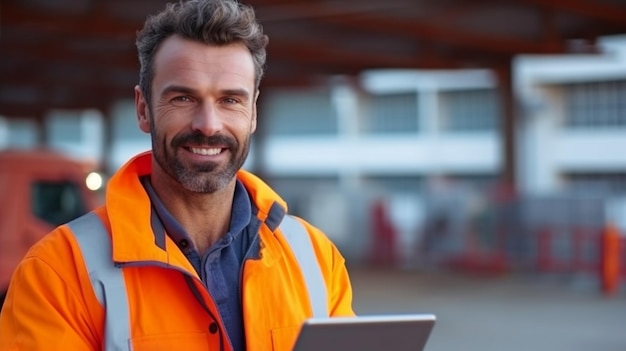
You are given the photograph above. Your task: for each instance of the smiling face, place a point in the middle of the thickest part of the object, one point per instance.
(202, 113)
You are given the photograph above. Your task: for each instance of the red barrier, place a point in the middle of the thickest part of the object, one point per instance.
(581, 258)
(585, 255)
(479, 258)
(383, 248)
(598, 252)
(544, 250)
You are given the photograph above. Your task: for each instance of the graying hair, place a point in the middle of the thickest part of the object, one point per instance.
(214, 22)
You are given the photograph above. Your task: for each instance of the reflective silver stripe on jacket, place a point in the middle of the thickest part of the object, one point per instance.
(108, 282)
(106, 279)
(302, 248)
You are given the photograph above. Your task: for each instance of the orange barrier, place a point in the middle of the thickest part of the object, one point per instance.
(610, 260)
(622, 266)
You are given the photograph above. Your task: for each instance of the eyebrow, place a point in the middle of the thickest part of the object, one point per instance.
(186, 90)
(236, 92)
(177, 89)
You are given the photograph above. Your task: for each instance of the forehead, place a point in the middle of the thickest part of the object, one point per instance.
(198, 65)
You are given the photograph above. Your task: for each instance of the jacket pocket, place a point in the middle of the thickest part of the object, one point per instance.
(175, 341)
(284, 339)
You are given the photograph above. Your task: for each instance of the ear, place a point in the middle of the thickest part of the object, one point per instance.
(143, 112)
(254, 112)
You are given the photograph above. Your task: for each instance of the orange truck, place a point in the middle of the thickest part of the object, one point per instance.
(40, 189)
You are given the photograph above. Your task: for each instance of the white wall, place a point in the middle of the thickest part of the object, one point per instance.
(547, 149)
(398, 154)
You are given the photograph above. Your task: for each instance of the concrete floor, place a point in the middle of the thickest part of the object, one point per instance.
(503, 313)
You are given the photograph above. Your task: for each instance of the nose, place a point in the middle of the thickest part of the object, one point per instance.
(207, 120)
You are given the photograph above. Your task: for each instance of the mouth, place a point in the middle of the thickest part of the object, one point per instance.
(205, 151)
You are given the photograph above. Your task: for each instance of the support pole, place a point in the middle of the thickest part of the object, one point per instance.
(42, 139)
(107, 142)
(508, 126)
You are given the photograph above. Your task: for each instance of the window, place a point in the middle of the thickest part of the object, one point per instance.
(601, 183)
(300, 113)
(595, 104)
(297, 190)
(393, 113)
(394, 183)
(470, 110)
(57, 202)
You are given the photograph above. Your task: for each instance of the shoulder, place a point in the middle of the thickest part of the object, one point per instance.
(323, 246)
(55, 265)
(57, 251)
(51, 280)
(54, 246)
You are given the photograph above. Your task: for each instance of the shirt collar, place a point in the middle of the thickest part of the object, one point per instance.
(241, 214)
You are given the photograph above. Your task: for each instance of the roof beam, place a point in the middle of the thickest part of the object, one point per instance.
(94, 24)
(302, 10)
(75, 98)
(18, 110)
(62, 54)
(433, 33)
(322, 53)
(586, 8)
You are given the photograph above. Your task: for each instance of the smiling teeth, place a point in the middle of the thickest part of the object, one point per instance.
(205, 152)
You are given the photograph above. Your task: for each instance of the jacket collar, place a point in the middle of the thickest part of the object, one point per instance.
(130, 215)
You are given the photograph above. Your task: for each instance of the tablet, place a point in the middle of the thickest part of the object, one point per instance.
(397, 332)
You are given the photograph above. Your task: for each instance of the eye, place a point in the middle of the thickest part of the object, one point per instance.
(181, 101)
(182, 98)
(230, 100)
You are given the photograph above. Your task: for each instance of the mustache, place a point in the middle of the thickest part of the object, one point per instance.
(201, 139)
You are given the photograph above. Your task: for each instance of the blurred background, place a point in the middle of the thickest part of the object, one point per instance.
(467, 157)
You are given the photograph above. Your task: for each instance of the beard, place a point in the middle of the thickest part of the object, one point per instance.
(207, 177)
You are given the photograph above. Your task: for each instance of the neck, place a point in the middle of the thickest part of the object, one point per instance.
(205, 217)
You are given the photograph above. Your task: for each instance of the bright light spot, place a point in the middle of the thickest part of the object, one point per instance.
(93, 181)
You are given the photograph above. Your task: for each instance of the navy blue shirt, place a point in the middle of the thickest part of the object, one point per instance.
(220, 268)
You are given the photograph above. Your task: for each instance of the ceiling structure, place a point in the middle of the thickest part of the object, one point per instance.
(79, 54)
(76, 54)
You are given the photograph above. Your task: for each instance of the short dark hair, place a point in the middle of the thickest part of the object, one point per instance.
(216, 22)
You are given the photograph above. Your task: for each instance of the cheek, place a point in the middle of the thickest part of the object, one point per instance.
(244, 128)
(167, 120)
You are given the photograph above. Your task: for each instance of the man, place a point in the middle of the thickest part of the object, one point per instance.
(189, 252)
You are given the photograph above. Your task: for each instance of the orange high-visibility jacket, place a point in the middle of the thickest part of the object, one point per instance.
(52, 305)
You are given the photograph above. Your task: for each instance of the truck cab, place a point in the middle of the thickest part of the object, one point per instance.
(40, 189)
